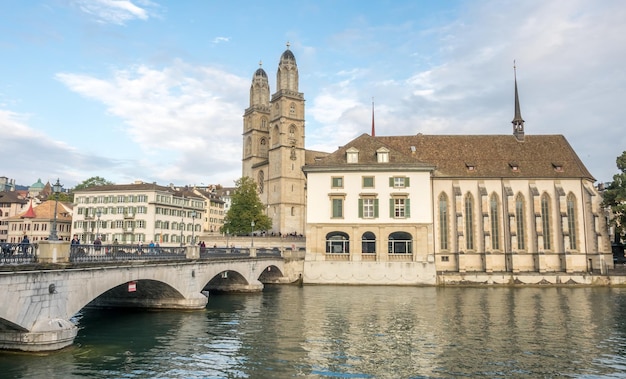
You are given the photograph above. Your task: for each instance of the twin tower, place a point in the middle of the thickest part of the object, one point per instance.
(273, 146)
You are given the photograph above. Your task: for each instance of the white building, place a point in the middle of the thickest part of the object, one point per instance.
(399, 209)
(139, 212)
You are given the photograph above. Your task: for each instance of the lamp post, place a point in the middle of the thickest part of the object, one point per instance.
(56, 188)
(193, 227)
(98, 213)
(227, 233)
(252, 234)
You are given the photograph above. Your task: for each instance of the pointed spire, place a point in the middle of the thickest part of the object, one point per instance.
(373, 129)
(518, 121)
(30, 213)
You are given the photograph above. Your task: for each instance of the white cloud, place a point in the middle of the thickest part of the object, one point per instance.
(175, 117)
(115, 11)
(217, 40)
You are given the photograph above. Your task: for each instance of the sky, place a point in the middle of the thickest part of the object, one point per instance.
(155, 90)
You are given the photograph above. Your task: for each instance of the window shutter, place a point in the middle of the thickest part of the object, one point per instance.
(391, 213)
(360, 208)
(391, 181)
(406, 181)
(407, 207)
(375, 208)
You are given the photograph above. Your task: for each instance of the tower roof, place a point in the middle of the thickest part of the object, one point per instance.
(288, 55)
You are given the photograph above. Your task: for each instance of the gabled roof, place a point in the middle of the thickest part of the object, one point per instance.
(9, 197)
(471, 156)
(45, 211)
(368, 148)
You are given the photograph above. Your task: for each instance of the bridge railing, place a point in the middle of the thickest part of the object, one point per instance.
(224, 252)
(17, 253)
(106, 253)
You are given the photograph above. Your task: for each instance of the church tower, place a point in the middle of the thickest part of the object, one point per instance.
(256, 126)
(273, 150)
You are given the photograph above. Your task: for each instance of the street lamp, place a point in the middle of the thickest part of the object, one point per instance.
(193, 227)
(252, 234)
(227, 233)
(98, 213)
(56, 188)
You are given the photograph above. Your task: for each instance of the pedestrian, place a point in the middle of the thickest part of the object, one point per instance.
(97, 244)
(75, 240)
(25, 244)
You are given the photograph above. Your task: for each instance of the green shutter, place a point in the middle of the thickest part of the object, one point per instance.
(360, 208)
(406, 182)
(391, 208)
(375, 208)
(407, 207)
(391, 181)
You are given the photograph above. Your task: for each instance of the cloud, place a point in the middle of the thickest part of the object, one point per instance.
(217, 40)
(569, 73)
(184, 121)
(36, 152)
(115, 11)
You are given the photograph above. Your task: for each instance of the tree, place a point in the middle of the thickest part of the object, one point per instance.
(245, 208)
(614, 197)
(92, 182)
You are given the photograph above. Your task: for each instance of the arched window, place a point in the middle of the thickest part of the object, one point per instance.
(443, 221)
(293, 211)
(400, 243)
(261, 183)
(263, 123)
(469, 221)
(292, 131)
(292, 109)
(495, 219)
(368, 243)
(337, 243)
(263, 149)
(519, 218)
(545, 221)
(571, 220)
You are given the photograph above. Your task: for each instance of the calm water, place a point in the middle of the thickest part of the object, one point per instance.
(353, 332)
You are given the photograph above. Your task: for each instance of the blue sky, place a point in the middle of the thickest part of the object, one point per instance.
(155, 90)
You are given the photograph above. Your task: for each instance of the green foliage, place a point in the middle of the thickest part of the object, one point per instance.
(615, 197)
(245, 208)
(91, 182)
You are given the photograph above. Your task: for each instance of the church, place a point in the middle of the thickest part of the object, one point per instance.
(408, 209)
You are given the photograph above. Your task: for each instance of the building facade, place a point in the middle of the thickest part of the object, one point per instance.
(37, 222)
(400, 209)
(138, 213)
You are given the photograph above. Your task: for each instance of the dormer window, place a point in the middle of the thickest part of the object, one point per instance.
(557, 167)
(514, 166)
(352, 155)
(382, 155)
(470, 166)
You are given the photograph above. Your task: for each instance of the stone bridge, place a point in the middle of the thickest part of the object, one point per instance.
(38, 305)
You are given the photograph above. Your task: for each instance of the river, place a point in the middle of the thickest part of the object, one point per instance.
(352, 332)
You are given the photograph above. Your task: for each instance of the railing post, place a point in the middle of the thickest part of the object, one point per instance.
(252, 252)
(192, 251)
(53, 252)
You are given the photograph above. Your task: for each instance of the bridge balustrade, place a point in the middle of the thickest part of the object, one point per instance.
(224, 252)
(17, 253)
(105, 253)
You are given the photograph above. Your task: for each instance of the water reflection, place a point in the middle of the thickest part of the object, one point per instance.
(353, 332)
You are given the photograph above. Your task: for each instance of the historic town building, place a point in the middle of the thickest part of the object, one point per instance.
(138, 213)
(400, 209)
(37, 222)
